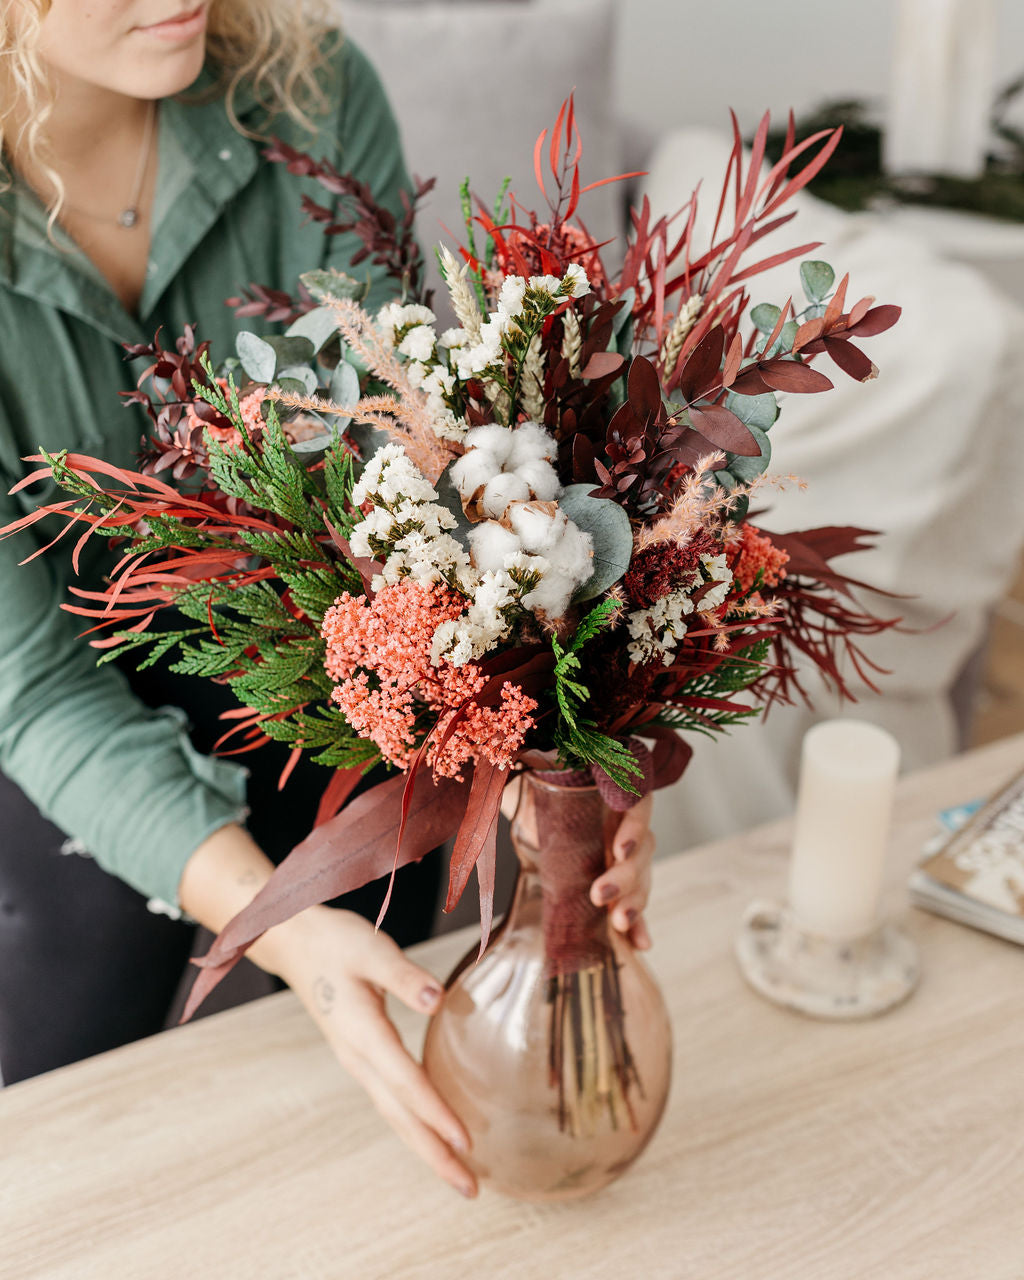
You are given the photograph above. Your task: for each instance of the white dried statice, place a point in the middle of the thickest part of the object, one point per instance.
(656, 631)
(406, 527)
(394, 320)
(504, 465)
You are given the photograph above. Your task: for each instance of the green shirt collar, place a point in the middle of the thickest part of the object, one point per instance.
(204, 162)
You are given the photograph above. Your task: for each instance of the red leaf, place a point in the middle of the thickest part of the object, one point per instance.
(850, 359)
(337, 791)
(601, 364)
(789, 375)
(345, 853)
(724, 430)
(701, 371)
(809, 331)
(836, 303)
(644, 388)
(478, 829)
(877, 320)
(671, 753)
(733, 360)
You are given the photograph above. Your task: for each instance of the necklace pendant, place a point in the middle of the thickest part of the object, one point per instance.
(128, 217)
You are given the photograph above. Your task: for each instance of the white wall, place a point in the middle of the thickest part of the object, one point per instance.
(688, 61)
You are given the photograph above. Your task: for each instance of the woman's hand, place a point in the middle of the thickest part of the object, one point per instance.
(625, 887)
(341, 970)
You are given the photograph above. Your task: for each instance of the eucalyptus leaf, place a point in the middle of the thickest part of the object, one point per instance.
(765, 317)
(302, 374)
(367, 439)
(449, 498)
(344, 386)
(313, 448)
(609, 527)
(817, 279)
(756, 411)
(318, 326)
(784, 342)
(291, 351)
(258, 358)
(747, 469)
(328, 282)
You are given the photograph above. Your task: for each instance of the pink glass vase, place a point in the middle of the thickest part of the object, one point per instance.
(555, 1048)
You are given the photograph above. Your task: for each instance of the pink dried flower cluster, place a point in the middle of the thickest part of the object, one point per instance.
(229, 437)
(758, 554)
(387, 686)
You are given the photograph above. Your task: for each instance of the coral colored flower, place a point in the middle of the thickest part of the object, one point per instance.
(758, 554)
(228, 436)
(391, 692)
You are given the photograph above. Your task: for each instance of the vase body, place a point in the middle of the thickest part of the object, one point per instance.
(554, 1049)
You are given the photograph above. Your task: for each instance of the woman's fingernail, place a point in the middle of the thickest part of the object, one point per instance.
(458, 1143)
(607, 893)
(466, 1189)
(628, 848)
(631, 916)
(429, 996)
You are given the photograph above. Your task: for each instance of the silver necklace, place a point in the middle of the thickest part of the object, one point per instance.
(130, 214)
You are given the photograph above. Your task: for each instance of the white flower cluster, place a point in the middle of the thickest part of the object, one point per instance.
(520, 299)
(657, 630)
(503, 465)
(406, 526)
(409, 328)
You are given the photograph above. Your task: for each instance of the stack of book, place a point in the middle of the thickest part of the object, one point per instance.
(976, 874)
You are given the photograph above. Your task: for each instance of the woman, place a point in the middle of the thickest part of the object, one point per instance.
(129, 207)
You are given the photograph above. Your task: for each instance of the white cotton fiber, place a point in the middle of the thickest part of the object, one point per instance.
(472, 471)
(534, 526)
(541, 478)
(493, 439)
(506, 488)
(531, 441)
(491, 543)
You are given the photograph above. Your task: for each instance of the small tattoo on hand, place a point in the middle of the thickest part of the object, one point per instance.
(323, 995)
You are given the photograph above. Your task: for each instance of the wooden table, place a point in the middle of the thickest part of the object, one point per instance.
(884, 1150)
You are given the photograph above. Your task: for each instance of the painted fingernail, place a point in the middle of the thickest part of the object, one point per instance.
(429, 997)
(458, 1143)
(631, 916)
(608, 892)
(466, 1189)
(628, 848)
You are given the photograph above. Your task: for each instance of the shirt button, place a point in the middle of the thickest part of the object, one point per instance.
(224, 155)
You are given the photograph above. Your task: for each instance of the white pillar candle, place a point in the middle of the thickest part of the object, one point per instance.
(844, 808)
(941, 87)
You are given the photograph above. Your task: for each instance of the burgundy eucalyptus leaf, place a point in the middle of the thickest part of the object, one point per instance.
(724, 430)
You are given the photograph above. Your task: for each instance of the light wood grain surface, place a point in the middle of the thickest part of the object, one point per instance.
(791, 1150)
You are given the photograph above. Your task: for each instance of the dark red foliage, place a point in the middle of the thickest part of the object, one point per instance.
(387, 241)
(663, 567)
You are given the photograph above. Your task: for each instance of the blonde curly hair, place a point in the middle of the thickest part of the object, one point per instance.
(274, 47)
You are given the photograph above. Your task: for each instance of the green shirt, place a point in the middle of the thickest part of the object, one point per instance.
(124, 780)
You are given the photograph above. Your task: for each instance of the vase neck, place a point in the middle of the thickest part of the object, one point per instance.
(560, 834)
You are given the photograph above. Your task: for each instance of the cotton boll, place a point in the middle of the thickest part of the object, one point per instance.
(491, 543)
(551, 595)
(493, 439)
(533, 525)
(530, 441)
(472, 471)
(542, 479)
(574, 553)
(504, 489)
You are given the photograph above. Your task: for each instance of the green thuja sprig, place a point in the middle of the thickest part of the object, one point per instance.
(578, 741)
